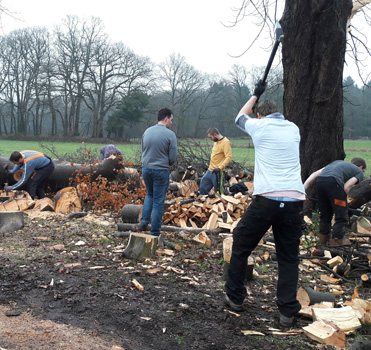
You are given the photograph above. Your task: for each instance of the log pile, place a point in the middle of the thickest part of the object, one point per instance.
(208, 213)
(66, 201)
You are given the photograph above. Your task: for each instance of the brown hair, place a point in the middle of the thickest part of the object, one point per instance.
(212, 131)
(266, 107)
(359, 162)
(163, 113)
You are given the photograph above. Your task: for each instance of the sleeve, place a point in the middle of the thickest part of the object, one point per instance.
(227, 154)
(27, 172)
(173, 150)
(18, 166)
(240, 122)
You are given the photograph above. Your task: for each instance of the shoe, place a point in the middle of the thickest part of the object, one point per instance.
(232, 305)
(142, 227)
(339, 242)
(323, 239)
(286, 321)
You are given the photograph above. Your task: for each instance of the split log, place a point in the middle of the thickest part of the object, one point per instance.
(202, 238)
(131, 213)
(11, 221)
(360, 194)
(345, 318)
(133, 227)
(67, 201)
(307, 296)
(45, 204)
(141, 245)
(326, 333)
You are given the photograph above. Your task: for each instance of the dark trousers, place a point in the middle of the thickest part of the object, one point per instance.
(286, 220)
(36, 184)
(332, 199)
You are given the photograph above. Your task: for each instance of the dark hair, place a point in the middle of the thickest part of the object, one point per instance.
(359, 162)
(266, 107)
(212, 131)
(15, 156)
(163, 113)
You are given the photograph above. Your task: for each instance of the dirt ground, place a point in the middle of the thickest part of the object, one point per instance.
(64, 285)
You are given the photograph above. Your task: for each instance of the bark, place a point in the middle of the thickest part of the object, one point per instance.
(131, 213)
(360, 194)
(11, 221)
(313, 52)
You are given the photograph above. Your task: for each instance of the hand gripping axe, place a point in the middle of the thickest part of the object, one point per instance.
(279, 38)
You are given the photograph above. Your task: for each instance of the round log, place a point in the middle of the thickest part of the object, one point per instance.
(11, 221)
(307, 296)
(360, 194)
(131, 213)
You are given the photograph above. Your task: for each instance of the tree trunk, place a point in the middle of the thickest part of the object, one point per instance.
(313, 52)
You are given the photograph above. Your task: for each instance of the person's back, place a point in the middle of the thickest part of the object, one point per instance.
(341, 171)
(158, 147)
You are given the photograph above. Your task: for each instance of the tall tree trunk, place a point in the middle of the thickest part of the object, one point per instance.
(313, 54)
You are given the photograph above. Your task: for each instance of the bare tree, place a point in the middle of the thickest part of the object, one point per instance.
(113, 73)
(74, 44)
(180, 83)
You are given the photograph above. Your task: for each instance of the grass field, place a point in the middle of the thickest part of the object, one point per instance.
(131, 152)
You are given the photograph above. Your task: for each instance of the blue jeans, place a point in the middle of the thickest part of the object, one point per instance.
(157, 183)
(208, 182)
(286, 220)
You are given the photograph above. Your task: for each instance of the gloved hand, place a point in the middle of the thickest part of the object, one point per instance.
(7, 188)
(259, 89)
(216, 171)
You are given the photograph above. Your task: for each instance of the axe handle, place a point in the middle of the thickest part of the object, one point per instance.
(267, 69)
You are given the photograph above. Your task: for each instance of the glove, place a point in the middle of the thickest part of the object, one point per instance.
(216, 171)
(259, 89)
(7, 188)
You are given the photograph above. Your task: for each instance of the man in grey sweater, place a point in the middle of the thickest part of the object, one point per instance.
(159, 151)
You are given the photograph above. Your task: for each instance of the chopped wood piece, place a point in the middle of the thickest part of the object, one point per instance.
(327, 279)
(68, 202)
(335, 261)
(137, 284)
(202, 238)
(227, 249)
(326, 333)
(45, 204)
(345, 318)
(212, 222)
(230, 199)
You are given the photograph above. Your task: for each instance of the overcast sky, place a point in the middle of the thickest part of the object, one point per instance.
(196, 29)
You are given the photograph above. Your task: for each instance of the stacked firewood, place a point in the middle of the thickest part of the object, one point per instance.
(208, 213)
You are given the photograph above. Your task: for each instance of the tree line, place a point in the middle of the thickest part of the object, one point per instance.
(74, 81)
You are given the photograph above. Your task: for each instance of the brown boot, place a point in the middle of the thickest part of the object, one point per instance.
(323, 239)
(339, 242)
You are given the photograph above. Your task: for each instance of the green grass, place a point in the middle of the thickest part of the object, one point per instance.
(353, 148)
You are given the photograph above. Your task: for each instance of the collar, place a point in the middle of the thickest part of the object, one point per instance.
(275, 116)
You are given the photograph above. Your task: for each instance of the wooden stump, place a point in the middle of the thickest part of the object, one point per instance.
(11, 221)
(131, 213)
(140, 246)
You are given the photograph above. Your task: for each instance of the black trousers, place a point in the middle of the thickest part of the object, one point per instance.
(286, 219)
(332, 199)
(36, 184)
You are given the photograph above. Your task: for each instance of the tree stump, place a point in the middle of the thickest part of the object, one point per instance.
(11, 221)
(140, 246)
(131, 213)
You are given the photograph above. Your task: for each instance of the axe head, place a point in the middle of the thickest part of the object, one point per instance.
(279, 32)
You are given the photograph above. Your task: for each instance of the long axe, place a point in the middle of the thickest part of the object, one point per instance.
(279, 38)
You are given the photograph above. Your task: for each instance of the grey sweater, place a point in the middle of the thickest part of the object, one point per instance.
(159, 147)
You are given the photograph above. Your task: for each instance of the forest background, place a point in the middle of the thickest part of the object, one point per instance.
(74, 82)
